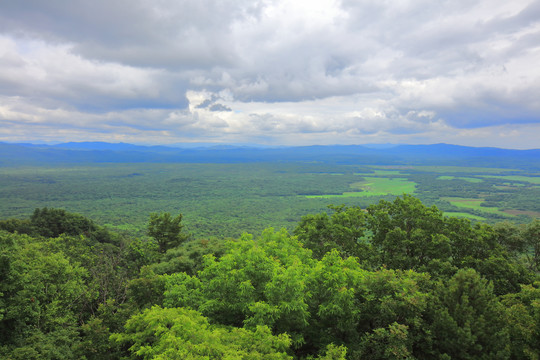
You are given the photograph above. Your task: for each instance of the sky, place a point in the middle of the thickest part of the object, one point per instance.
(271, 72)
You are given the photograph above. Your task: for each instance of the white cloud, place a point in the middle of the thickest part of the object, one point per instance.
(321, 71)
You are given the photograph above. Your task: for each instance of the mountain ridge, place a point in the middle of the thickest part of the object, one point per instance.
(103, 152)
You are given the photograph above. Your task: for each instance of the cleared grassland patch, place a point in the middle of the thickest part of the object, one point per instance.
(475, 204)
(468, 179)
(465, 215)
(382, 185)
(533, 214)
(375, 186)
(530, 179)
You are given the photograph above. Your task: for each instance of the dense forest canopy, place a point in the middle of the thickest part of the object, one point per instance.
(395, 280)
(224, 200)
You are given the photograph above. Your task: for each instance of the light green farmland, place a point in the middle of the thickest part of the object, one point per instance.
(465, 215)
(529, 179)
(475, 204)
(375, 186)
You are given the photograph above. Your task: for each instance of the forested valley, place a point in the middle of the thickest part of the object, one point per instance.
(394, 280)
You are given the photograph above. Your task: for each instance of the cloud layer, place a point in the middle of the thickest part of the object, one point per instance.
(271, 71)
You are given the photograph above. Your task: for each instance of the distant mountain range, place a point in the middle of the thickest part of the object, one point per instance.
(102, 152)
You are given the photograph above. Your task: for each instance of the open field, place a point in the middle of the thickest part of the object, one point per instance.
(475, 204)
(385, 186)
(465, 215)
(374, 186)
(510, 178)
(533, 214)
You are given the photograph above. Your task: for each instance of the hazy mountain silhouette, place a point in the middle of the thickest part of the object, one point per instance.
(102, 152)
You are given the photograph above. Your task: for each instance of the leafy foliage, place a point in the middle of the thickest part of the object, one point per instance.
(398, 280)
(343, 230)
(41, 296)
(176, 333)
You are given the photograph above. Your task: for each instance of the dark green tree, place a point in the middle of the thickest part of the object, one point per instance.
(391, 343)
(166, 230)
(511, 238)
(468, 320)
(50, 223)
(408, 234)
(189, 256)
(532, 239)
(523, 316)
(343, 230)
